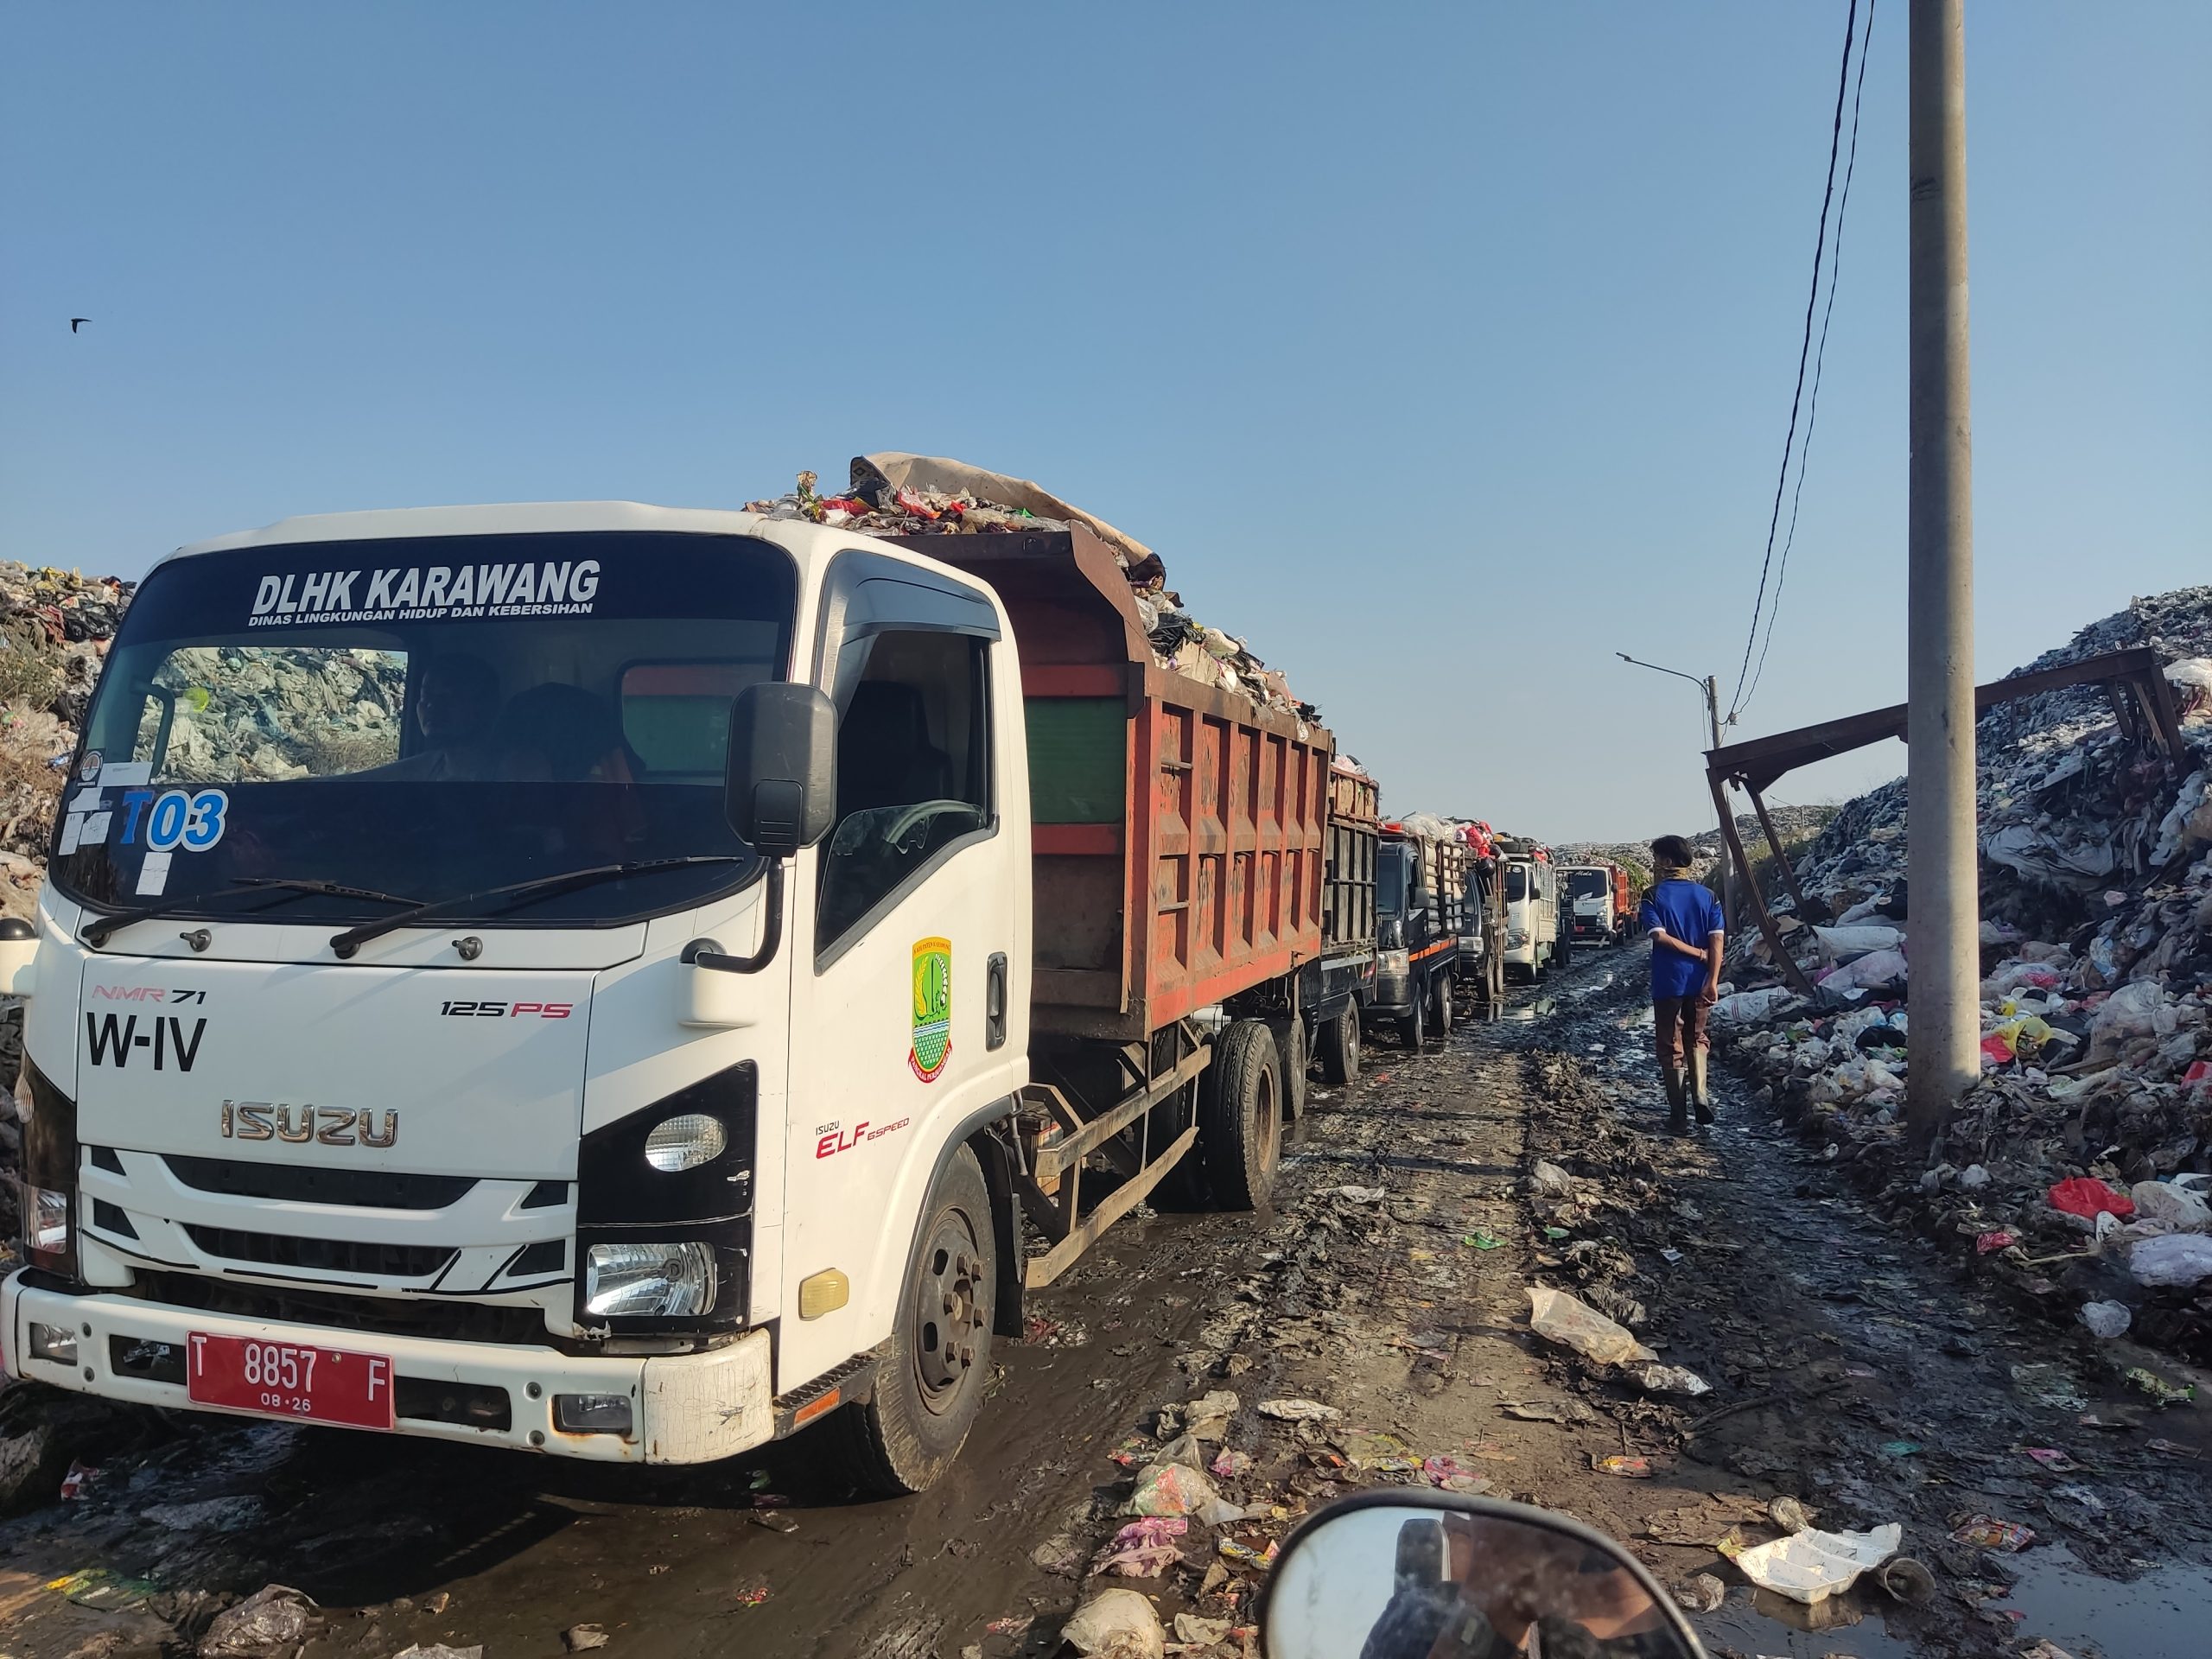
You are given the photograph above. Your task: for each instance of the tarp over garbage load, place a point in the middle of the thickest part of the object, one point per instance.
(2096, 997)
(891, 493)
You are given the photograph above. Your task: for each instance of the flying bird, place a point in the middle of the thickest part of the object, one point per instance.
(74, 322)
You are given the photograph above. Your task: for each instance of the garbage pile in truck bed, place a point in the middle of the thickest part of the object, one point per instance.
(2081, 1165)
(897, 494)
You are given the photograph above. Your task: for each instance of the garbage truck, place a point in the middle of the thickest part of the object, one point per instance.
(1596, 897)
(631, 984)
(1420, 876)
(1336, 986)
(1533, 945)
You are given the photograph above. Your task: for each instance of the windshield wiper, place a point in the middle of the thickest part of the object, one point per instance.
(343, 945)
(98, 932)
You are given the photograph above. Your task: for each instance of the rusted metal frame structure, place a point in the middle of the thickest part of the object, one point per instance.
(2134, 681)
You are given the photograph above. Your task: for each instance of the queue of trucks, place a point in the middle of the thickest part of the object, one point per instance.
(755, 956)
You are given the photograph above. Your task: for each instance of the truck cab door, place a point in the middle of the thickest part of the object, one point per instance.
(900, 1035)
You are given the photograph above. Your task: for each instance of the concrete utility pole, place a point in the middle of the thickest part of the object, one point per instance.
(1943, 1039)
(1711, 687)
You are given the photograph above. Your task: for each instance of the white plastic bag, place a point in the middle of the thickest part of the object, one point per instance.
(1557, 1317)
(2130, 1011)
(2178, 1259)
(1812, 1566)
(1749, 1006)
(2163, 1201)
(1116, 1625)
(1838, 943)
(2107, 1319)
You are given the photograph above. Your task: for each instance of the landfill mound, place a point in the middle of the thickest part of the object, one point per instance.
(892, 494)
(1795, 824)
(2079, 1168)
(54, 629)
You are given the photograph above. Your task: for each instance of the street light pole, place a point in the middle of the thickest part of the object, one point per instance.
(1943, 1061)
(1710, 688)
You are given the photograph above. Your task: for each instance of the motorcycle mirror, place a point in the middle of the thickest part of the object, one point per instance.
(1403, 1575)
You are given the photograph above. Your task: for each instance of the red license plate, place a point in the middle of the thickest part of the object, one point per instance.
(285, 1379)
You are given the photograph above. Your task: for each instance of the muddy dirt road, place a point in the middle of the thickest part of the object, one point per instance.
(1848, 1370)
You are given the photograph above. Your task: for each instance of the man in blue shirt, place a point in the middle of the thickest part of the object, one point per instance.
(1683, 921)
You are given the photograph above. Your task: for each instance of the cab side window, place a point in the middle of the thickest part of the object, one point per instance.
(913, 768)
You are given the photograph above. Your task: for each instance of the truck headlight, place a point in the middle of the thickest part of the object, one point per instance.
(685, 1142)
(651, 1281)
(1397, 962)
(49, 1179)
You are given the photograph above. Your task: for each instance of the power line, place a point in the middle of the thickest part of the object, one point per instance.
(1804, 351)
(1820, 358)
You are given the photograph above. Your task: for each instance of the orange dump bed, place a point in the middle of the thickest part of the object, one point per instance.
(1178, 827)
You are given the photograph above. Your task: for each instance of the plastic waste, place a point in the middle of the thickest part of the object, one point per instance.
(1298, 1411)
(1987, 1532)
(1628, 1468)
(2130, 1011)
(2166, 1392)
(1176, 1489)
(1811, 1565)
(2163, 1201)
(2107, 1319)
(2174, 1258)
(440, 1651)
(274, 1618)
(1668, 1379)
(1116, 1625)
(104, 1590)
(1907, 1580)
(1550, 1178)
(1702, 1594)
(1754, 1006)
(1145, 1549)
(1195, 1632)
(1207, 1417)
(1838, 943)
(2088, 1196)
(1557, 1317)
(582, 1638)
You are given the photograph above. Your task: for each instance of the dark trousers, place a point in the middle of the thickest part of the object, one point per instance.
(1680, 1021)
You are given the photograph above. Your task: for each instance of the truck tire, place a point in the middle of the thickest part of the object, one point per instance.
(1240, 1116)
(1563, 952)
(1413, 1030)
(1341, 1047)
(931, 1376)
(1290, 1056)
(1441, 1015)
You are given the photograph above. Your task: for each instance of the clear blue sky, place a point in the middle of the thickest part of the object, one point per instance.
(1440, 350)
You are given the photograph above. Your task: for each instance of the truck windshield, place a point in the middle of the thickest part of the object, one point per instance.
(421, 719)
(1390, 884)
(1587, 884)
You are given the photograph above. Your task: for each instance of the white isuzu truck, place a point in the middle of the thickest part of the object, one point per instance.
(630, 982)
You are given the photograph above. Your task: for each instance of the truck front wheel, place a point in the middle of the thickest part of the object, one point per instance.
(1341, 1047)
(1240, 1116)
(1413, 1030)
(932, 1376)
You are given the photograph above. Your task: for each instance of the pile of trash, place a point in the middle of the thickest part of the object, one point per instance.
(54, 629)
(2096, 1001)
(892, 494)
(1795, 824)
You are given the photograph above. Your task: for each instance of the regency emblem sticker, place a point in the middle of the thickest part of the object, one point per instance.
(932, 1008)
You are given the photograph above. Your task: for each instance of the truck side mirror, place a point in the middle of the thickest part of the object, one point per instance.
(780, 790)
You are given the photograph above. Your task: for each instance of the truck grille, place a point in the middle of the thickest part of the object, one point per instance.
(324, 1255)
(368, 1189)
(433, 1317)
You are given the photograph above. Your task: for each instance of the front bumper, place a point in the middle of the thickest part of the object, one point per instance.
(685, 1408)
(1394, 996)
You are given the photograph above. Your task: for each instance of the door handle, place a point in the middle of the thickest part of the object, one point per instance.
(994, 1002)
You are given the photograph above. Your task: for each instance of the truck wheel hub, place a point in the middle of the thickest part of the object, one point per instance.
(949, 1313)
